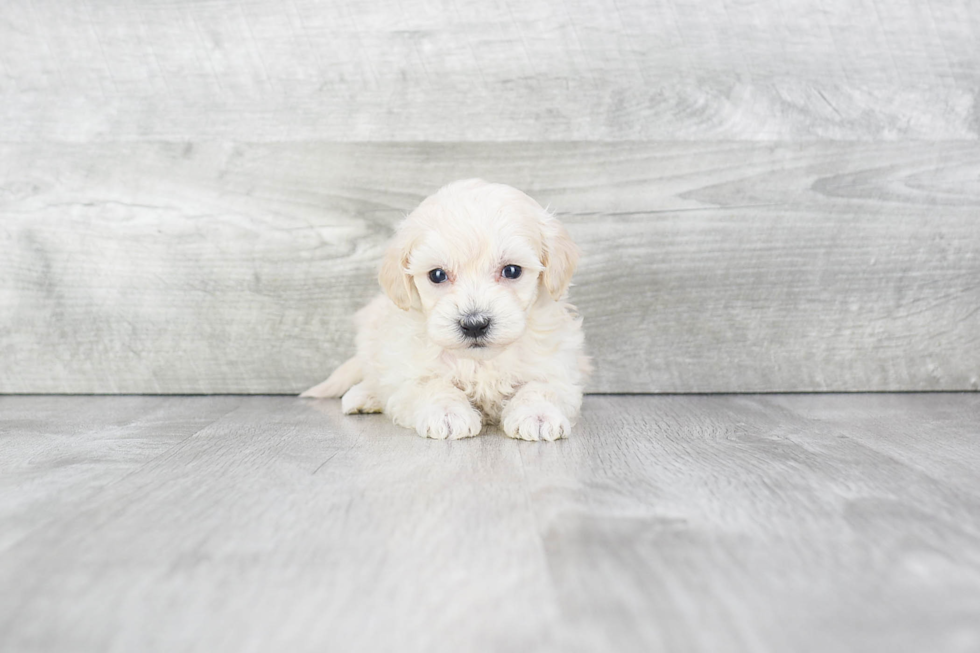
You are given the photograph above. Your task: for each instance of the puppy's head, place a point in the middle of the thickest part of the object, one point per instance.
(473, 259)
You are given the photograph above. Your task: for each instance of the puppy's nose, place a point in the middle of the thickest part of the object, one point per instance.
(474, 325)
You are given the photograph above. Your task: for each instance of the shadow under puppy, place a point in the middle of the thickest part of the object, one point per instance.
(473, 325)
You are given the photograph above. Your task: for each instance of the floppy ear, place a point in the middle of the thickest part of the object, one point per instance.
(394, 280)
(560, 257)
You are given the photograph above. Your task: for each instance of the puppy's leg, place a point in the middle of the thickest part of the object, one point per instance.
(541, 411)
(360, 399)
(339, 382)
(435, 409)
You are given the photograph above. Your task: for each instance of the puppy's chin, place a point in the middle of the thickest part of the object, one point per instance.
(480, 352)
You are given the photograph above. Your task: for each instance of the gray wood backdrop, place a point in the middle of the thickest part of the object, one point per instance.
(771, 196)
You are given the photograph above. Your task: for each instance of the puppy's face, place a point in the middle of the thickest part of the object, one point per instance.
(473, 259)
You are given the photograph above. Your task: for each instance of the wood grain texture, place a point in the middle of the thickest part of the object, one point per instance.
(666, 523)
(164, 268)
(508, 70)
(59, 452)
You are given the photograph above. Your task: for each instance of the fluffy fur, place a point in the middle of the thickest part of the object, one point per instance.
(414, 361)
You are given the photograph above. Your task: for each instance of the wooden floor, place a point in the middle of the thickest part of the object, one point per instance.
(666, 523)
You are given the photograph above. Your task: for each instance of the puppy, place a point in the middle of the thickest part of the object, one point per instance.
(473, 326)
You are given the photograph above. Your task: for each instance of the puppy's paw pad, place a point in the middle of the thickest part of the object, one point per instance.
(537, 422)
(449, 422)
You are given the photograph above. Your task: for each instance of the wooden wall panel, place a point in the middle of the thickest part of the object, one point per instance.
(777, 195)
(708, 267)
(504, 70)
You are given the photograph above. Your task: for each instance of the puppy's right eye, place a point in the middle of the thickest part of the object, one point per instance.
(438, 275)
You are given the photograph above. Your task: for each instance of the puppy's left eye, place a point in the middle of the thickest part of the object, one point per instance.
(511, 271)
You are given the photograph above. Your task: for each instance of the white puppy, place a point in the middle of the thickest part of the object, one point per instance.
(473, 325)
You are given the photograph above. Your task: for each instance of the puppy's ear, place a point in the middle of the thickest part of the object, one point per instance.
(560, 257)
(394, 279)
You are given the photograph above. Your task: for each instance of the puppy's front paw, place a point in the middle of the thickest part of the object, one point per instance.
(538, 421)
(359, 400)
(452, 421)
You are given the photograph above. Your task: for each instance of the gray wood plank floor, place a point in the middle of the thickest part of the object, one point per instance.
(666, 523)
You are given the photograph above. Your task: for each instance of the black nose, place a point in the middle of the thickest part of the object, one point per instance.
(474, 325)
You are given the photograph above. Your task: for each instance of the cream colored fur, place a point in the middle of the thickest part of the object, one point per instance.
(413, 361)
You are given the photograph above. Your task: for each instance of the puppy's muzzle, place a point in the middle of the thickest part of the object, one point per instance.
(474, 325)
